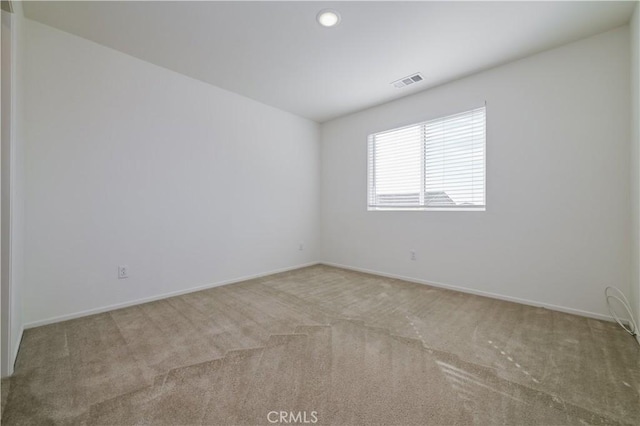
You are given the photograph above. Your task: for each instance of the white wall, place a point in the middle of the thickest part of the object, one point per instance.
(129, 163)
(635, 160)
(5, 109)
(19, 179)
(13, 234)
(556, 230)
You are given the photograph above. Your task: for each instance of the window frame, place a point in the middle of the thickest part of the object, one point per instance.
(422, 124)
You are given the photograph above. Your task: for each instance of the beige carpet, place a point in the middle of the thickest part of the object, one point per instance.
(327, 344)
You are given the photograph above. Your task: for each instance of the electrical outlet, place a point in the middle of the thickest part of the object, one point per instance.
(301, 246)
(413, 254)
(123, 272)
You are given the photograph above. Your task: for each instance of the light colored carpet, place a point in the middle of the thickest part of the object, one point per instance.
(328, 344)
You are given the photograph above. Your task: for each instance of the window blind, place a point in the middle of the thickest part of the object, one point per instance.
(434, 165)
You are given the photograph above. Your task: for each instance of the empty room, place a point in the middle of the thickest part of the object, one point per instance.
(333, 213)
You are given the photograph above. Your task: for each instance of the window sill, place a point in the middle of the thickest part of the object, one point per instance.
(427, 209)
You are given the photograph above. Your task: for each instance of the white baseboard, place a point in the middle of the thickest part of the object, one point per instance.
(477, 292)
(337, 265)
(14, 355)
(159, 297)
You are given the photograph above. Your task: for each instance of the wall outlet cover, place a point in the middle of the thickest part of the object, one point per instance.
(123, 271)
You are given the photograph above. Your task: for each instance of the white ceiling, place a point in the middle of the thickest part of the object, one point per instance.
(276, 53)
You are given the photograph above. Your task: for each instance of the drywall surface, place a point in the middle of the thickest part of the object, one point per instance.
(13, 179)
(18, 237)
(635, 160)
(557, 225)
(18, 231)
(131, 164)
(5, 177)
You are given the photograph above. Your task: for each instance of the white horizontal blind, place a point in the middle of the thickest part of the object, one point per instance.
(438, 164)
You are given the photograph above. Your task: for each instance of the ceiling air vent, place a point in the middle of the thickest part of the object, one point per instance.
(405, 81)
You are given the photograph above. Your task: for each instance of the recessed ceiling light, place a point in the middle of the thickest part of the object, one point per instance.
(328, 18)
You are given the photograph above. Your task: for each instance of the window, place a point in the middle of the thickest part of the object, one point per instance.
(434, 165)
